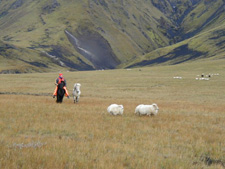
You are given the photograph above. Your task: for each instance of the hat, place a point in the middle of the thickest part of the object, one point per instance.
(60, 74)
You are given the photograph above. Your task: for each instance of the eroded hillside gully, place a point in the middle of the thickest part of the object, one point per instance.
(94, 48)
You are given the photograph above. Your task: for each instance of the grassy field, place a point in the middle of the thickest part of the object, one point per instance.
(188, 132)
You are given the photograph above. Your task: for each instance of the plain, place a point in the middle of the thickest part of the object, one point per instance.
(188, 132)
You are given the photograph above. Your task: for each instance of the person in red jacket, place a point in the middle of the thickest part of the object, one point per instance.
(58, 81)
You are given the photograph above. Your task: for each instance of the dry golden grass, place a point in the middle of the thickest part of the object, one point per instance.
(188, 132)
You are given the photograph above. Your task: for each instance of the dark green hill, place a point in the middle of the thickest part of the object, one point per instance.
(50, 35)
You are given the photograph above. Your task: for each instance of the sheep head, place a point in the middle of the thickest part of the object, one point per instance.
(155, 107)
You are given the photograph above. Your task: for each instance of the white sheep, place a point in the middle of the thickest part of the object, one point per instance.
(115, 109)
(203, 78)
(76, 92)
(147, 109)
(177, 77)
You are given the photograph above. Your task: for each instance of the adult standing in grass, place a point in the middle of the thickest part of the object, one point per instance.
(58, 81)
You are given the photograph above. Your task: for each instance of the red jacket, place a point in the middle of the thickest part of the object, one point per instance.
(60, 79)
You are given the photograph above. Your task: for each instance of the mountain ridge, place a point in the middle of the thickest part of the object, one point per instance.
(117, 33)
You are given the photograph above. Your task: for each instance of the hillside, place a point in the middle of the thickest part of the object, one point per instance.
(207, 45)
(52, 35)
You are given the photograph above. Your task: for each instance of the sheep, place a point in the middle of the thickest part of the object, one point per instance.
(138, 108)
(147, 109)
(177, 77)
(203, 78)
(76, 92)
(209, 75)
(115, 109)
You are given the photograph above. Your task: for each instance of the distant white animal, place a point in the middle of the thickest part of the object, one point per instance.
(147, 109)
(177, 77)
(115, 109)
(202, 78)
(76, 92)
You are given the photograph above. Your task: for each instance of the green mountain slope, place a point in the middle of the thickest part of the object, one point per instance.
(49, 35)
(207, 45)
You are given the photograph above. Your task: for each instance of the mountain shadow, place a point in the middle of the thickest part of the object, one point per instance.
(182, 52)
